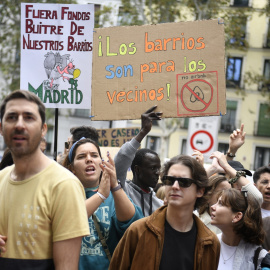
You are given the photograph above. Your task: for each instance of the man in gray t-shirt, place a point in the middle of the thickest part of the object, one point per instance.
(145, 165)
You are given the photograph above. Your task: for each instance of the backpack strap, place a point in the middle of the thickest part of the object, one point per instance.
(256, 256)
(101, 238)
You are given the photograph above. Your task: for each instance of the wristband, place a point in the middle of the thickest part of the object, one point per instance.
(238, 175)
(103, 198)
(117, 187)
(230, 154)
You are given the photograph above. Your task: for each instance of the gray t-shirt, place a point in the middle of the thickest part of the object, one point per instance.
(148, 202)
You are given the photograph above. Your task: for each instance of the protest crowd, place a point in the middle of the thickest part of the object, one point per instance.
(82, 213)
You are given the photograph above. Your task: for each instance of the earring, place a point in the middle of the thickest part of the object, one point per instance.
(232, 221)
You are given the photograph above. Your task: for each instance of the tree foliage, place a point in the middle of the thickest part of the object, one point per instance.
(138, 12)
(132, 12)
(102, 16)
(234, 18)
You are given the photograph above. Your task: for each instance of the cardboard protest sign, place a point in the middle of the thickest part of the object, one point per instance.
(178, 66)
(116, 137)
(56, 53)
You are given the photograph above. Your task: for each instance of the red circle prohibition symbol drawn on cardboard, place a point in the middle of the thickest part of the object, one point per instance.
(196, 96)
(210, 137)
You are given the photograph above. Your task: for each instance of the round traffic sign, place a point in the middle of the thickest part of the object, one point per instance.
(205, 133)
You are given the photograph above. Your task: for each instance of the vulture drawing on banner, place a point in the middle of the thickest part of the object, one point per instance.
(57, 66)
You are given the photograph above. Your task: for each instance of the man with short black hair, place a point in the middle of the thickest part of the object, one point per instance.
(42, 209)
(261, 178)
(145, 166)
(83, 131)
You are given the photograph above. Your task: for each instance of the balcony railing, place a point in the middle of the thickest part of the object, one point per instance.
(227, 127)
(261, 129)
(264, 87)
(266, 40)
(240, 3)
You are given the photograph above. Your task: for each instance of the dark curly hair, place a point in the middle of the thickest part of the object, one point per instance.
(84, 131)
(198, 173)
(139, 157)
(250, 226)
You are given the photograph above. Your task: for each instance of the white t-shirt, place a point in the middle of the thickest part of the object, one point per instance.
(265, 213)
(227, 254)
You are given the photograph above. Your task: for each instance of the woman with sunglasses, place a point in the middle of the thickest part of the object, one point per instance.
(109, 209)
(237, 214)
(172, 237)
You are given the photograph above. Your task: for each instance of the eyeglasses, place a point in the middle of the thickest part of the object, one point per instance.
(183, 182)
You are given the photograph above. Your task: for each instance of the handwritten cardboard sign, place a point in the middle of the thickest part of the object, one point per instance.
(178, 66)
(116, 137)
(56, 53)
(113, 151)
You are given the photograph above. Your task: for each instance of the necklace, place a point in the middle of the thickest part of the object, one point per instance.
(225, 260)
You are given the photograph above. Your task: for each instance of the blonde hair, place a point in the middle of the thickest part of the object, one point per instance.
(161, 193)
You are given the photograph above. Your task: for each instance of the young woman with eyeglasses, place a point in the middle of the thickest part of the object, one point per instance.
(237, 214)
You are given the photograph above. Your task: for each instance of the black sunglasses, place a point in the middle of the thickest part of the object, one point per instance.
(183, 182)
